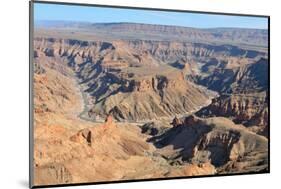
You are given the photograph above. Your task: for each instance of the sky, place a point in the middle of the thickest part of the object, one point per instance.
(104, 15)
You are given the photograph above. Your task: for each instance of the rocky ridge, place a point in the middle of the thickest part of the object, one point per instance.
(227, 146)
(118, 80)
(244, 95)
(138, 86)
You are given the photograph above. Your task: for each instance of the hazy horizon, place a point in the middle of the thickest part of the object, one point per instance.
(88, 22)
(57, 12)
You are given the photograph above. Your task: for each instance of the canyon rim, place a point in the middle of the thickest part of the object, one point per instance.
(125, 101)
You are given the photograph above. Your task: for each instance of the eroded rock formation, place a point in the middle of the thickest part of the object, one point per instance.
(150, 86)
(214, 140)
(244, 96)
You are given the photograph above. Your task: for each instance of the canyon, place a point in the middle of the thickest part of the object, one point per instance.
(124, 101)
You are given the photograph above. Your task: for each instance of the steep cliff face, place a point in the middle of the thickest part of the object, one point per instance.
(120, 81)
(138, 50)
(244, 95)
(247, 109)
(173, 51)
(137, 80)
(153, 97)
(244, 78)
(214, 140)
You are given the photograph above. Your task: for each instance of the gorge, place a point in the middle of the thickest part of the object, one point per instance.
(114, 97)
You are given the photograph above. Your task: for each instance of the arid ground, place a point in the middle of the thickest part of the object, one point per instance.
(124, 101)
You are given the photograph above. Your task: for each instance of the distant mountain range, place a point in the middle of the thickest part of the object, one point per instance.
(124, 30)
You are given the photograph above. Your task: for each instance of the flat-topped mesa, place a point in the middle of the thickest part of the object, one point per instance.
(177, 81)
(154, 96)
(135, 31)
(159, 82)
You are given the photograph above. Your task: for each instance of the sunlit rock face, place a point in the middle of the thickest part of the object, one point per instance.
(148, 101)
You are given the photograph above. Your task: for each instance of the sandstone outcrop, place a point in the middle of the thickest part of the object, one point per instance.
(122, 107)
(194, 170)
(52, 173)
(244, 96)
(214, 140)
(129, 87)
